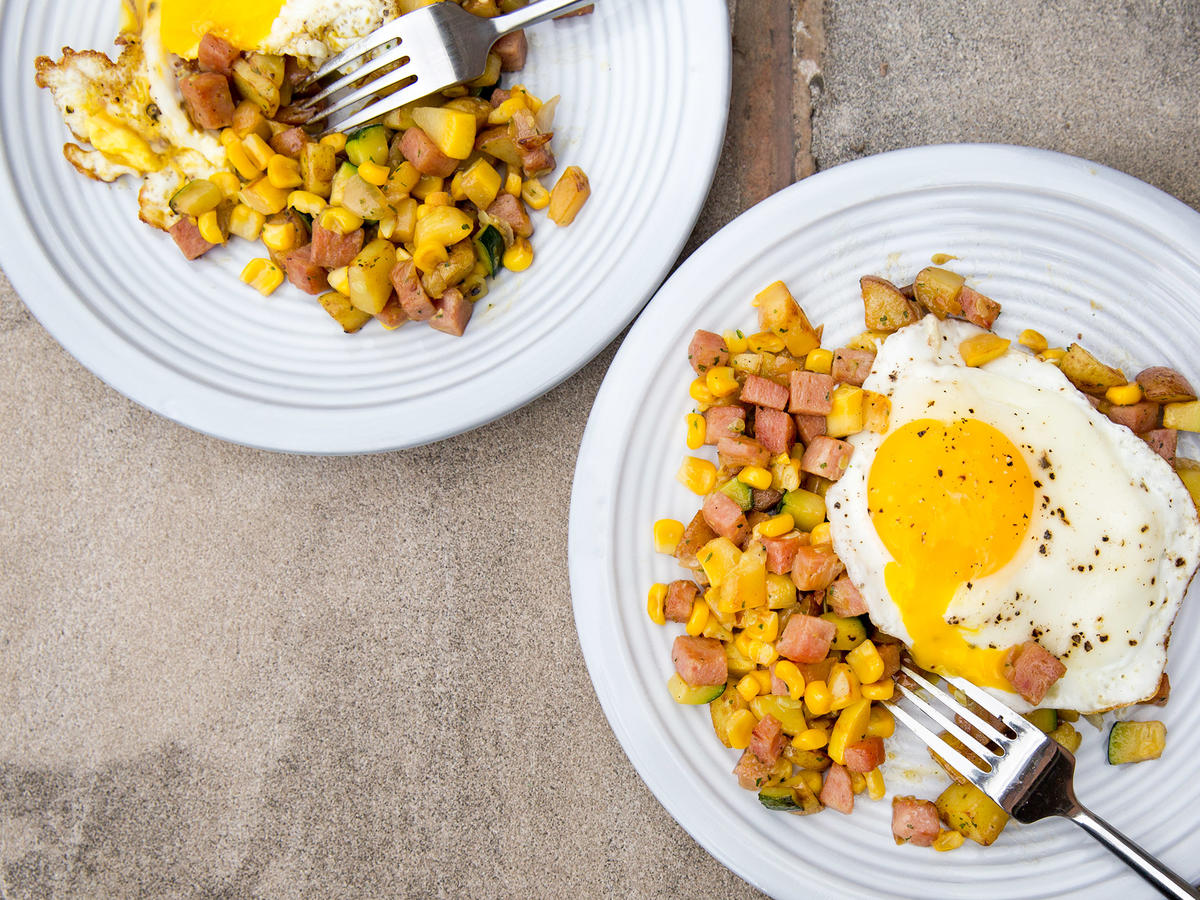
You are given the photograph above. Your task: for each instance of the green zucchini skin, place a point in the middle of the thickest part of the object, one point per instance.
(1131, 742)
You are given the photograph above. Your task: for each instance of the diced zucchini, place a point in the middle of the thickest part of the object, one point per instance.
(738, 492)
(806, 508)
(364, 199)
(722, 708)
(1045, 719)
(489, 247)
(799, 800)
(341, 178)
(812, 760)
(789, 712)
(693, 694)
(196, 198)
(850, 631)
(368, 143)
(937, 290)
(1131, 742)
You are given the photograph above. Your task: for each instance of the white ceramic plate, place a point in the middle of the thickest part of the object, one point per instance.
(1069, 247)
(645, 93)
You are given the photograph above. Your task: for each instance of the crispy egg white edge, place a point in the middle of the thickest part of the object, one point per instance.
(317, 29)
(1181, 541)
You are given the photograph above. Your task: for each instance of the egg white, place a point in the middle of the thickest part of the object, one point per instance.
(1102, 591)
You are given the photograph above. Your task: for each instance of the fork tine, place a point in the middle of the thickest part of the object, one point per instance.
(1017, 723)
(389, 31)
(988, 730)
(379, 108)
(964, 766)
(367, 91)
(397, 54)
(985, 753)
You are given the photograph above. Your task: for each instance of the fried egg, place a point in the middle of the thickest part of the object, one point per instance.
(1001, 507)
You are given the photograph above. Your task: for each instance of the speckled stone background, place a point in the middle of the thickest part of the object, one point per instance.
(228, 673)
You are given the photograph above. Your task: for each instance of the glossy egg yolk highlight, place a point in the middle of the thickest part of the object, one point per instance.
(244, 23)
(951, 502)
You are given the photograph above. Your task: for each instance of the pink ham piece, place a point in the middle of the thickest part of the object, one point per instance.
(725, 517)
(759, 391)
(695, 535)
(700, 660)
(851, 366)
(767, 739)
(778, 685)
(978, 309)
(207, 98)
(187, 238)
(781, 551)
(412, 294)
(305, 274)
(812, 393)
(290, 143)
(843, 598)
(723, 421)
(836, 792)
(815, 567)
(1140, 417)
(512, 50)
(1031, 669)
(1162, 441)
(774, 429)
(680, 597)
(751, 771)
(707, 350)
(864, 755)
(827, 457)
(453, 312)
(392, 316)
(915, 821)
(510, 209)
(762, 501)
(735, 452)
(215, 54)
(806, 639)
(333, 250)
(809, 427)
(420, 150)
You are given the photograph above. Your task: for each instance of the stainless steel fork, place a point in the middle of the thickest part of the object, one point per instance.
(1023, 770)
(412, 56)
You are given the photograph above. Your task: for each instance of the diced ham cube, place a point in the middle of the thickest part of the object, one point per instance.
(751, 771)
(864, 755)
(836, 792)
(781, 551)
(453, 312)
(723, 421)
(407, 282)
(700, 660)
(215, 54)
(815, 567)
(392, 316)
(305, 274)
(806, 639)
(207, 98)
(737, 451)
(1140, 417)
(334, 250)
(978, 309)
(420, 150)
(1162, 441)
(851, 366)
(890, 654)
(759, 391)
(774, 429)
(767, 739)
(680, 596)
(499, 95)
(725, 517)
(827, 457)
(707, 350)
(763, 501)
(532, 143)
(187, 237)
(843, 598)
(778, 685)
(809, 427)
(695, 535)
(812, 393)
(290, 142)
(510, 209)
(512, 50)
(915, 820)
(1030, 668)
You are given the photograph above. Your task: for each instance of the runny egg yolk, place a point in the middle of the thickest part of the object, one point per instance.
(951, 502)
(244, 23)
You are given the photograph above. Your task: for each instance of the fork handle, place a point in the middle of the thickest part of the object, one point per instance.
(1168, 883)
(537, 11)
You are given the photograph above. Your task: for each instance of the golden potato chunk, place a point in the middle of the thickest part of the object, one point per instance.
(1183, 416)
(1087, 373)
(971, 813)
(937, 290)
(1188, 471)
(1163, 385)
(344, 312)
(884, 307)
(780, 314)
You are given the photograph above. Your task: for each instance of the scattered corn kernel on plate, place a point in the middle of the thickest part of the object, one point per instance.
(194, 343)
(1075, 252)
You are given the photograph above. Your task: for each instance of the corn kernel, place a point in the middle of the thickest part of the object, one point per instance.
(948, 839)
(735, 342)
(262, 275)
(697, 475)
(245, 222)
(439, 198)
(819, 360)
(785, 473)
(764, 626)
(776, 526)
(284, 172)
(519, 256)
(866, 662)
(698, 391)
(697, 430)
(1034, 340)
(882, 723)
(279, 236)
(765, 341)
(429, 255)
(257, 149)
(756, 477)
(821, 534)
(698, 618)
(844, 688)
(534, 193)
(812, 780)
(817, 698)
(850, 727)
(983, 348)
(209, 227)
(742, 643)
(654, 604)
(667, 535)
(503, 113)
(306, 202)
(763, 653)
(858, 783)
(721, 381)
(879, 690)
(337, 141)
(227, 182)
(748, 687)
(340, 220)
(1124, 395)
(787, 672)
(339, 280)
(457, 191)
(373, 173)
(739, 728)
(263, 196)
(764, 680)
(240, 159)
(1052, 355)
(876, 789)
(811, 739)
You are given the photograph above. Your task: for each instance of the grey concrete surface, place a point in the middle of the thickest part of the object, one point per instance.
(226, 673)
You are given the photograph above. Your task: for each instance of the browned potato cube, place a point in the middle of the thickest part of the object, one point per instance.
(1087, 373)
(256, 86)
(722, 709)
(1188, 471)
(937, 290)
(318, 162)
(972, 813)
(570, 192)
(779, 313)
(885, 308)
(343, 312)
(1163, 385)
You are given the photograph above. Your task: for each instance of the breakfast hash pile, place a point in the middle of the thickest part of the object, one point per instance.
(933, 495)
(408, 219)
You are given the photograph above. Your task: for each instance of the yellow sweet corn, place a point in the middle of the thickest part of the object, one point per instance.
(698, 391)
(339, 280)
(983, 348)
(503, 113)
(787, 672)
(748, 687)
(882, 723)
(654, 604)
(534, 193)
(245, 222)
(866, 662)
(262, 275)
(227, 182)
(844, 687)
(519, 256)
(763, 653)
(811, 739)
(1124, 395)
(279, 236)
(735, 342)
(819, 360)
(284, 172)
(667, 535)
(765, 341)
(306, 202)
(756, 477)
(879, 690)
(850, 728)
(264, 197)
(698, 619)
(373, 173)
(210, 228)
(512, 181)
(764, 680)
(257, 149)
(697, 430)
(821, 534)
(337, 141)
(429, 255)
(697, 475)
(1052, 355)
(858, 782)
(241, 161)
(876, 789)
(1034, 340)
(776, 526)
(948, 839)
(817, 698)
(721, 381)
(739, 728)
(340, 220)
